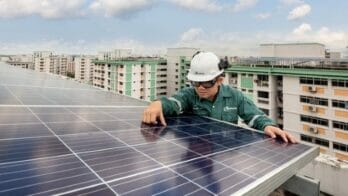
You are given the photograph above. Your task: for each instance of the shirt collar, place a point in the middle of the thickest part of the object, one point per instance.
(223, 91)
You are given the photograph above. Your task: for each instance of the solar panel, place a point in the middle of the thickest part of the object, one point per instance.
(61, 137)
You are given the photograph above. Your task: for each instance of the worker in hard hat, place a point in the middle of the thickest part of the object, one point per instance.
(208, 96)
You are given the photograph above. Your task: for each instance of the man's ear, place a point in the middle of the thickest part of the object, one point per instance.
(220, 80)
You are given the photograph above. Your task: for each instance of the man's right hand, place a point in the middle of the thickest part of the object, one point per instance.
(153, 112)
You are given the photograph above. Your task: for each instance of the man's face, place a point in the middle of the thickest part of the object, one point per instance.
(208, 92)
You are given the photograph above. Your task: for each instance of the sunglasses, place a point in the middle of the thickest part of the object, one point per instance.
(207, 84)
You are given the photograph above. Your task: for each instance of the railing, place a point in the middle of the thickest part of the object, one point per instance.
(292, 63)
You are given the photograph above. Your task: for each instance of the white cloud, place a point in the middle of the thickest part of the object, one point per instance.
(302, 29)
(291, 2)
(201, 5)
(299, 12)
(263, 16)
(51, 9)
(247, 44)
(332, 39)
(191, 35)
(223, 43)
(244, 4)
(119, 7)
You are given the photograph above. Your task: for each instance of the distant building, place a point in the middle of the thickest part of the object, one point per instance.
(44, 61)
(115, 54)
(23, 61)
(61, 67)
(84, 68)
(142, 78)
(178, 60)
(293, 50)
(310, 100)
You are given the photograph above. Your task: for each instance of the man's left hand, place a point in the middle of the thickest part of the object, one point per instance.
(273, 132)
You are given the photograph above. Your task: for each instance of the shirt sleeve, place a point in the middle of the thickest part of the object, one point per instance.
(253, 116)
(178, 103)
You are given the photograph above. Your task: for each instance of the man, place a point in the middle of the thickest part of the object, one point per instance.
(208, 96)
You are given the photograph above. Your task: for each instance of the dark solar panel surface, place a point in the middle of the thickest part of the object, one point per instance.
(52, 142)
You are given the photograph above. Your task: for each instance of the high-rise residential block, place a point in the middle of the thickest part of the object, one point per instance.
(142, 78)
(308, 98)
(84, 68)
(178, 60)
(44, 61)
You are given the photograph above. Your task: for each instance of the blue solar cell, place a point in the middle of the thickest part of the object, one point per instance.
(45, 176)
(93, 191)
(30, 148)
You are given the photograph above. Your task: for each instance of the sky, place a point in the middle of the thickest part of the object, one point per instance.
(149, 27)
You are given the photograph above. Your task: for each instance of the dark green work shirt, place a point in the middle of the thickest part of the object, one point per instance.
(228, 105)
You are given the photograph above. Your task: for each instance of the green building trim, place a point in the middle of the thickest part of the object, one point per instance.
(316, 73)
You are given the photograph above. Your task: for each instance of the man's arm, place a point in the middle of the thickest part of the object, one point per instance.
(255, 118)
(153, 112)
(175, 105)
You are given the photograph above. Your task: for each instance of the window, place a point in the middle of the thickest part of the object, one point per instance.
(340, 125)
(312, 81)
(306, 138)
(262, 77)
(322, 142)
(262, 94)
(340, 83)
(314, 120)
(340, 104)
(314, 100)
(340, 146)
(319, 141)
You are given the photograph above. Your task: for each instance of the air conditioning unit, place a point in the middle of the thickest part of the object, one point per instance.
(313, 130)
(312, 109)
(312, 89)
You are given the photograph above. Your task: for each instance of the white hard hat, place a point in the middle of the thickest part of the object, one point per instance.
(204, 67)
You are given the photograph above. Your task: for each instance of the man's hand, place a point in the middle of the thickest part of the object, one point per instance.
(273, 131)
(153, 112)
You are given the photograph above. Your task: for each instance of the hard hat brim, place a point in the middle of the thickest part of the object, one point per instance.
(203, 78)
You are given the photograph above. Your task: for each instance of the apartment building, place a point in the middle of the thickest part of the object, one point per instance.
(44, 61)
(63, 62)
(142, 78)
(84, 68)
(178, 60)
(309, 101)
